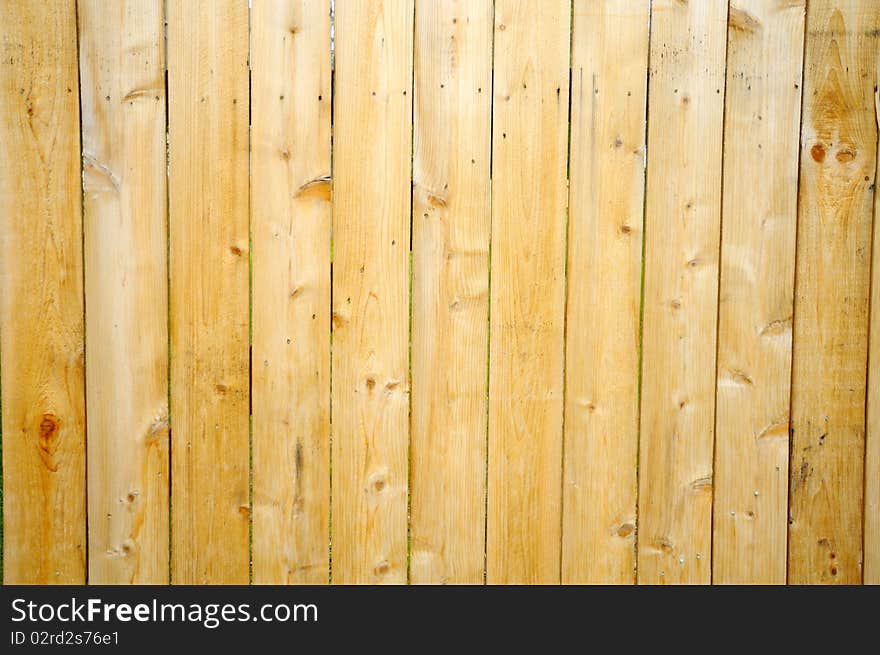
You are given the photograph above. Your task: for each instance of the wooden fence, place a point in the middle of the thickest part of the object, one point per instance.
(440, 291)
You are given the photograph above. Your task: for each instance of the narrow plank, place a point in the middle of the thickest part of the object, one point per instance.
(451, 222)
(529, 191)
(838, 161)
(208, 190)
(122, 70)
(371, 236)
(763, 101)
(606, 196)
(871, 571)
(290, 224)
(41, 297)
(683, 209)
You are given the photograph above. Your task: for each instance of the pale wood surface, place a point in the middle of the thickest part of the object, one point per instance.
(451, 221)
(838, 162)
(208, 193)
(122, 69)
(682, 216)
(372, 139)
(41, 297)
(763, 104)
(606, 196)
(290, 224)
(530, 105)
(871, 571)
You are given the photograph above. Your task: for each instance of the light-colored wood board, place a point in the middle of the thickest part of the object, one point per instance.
(829, 377)
(290, 224)
(450, 321)
(372, 140)
(606, 205)
(41, 297)
(529, 199)
(122, 73)
(209, 301)
(682, 231)
(871, 573)
(761, 145)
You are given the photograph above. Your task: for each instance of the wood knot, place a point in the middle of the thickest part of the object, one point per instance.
(49, 428)
(235, 250)
(817, 152)
(625, 530)
(845, 155)
(382, 568)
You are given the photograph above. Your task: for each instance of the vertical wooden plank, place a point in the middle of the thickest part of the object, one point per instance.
(838, 161)
(609, 75)
(683, 208)
(451, 222)
(763, 100)
(208, 189)
(371, 228)
(41, 297)
(530, 106)
(122, 69)
(871, 573)
(290, 219)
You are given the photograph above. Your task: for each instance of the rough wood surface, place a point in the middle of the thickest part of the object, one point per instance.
(41, 297)
(764, 57)
(606, 204)
(838, 168)
(208, 216)
(871, 571)
(682, 230)
(290, 224)
(372, 139)
(122, 68)
(451, 220)
(530, 106)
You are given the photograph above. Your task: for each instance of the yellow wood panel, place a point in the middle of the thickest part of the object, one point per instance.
(372, 137)
(451, 221)
(122, 69)
(530, 138)
(290, 224)
(607, 183)
(41, 297)
(872, 455)
(838, 161)
(208, 189)
(763, 102)
(682, 225)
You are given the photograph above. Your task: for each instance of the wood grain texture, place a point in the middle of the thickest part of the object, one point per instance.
(606, 204)
(451, 222)
(208, 184)
(122, 70)
(683, 209)
(41, 297)
(763, 101)
(371, 235)
(838, 167)
(290, 223)
(530, 106)
(871, 573)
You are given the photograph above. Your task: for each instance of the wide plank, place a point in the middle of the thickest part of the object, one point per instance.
(41, 297)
